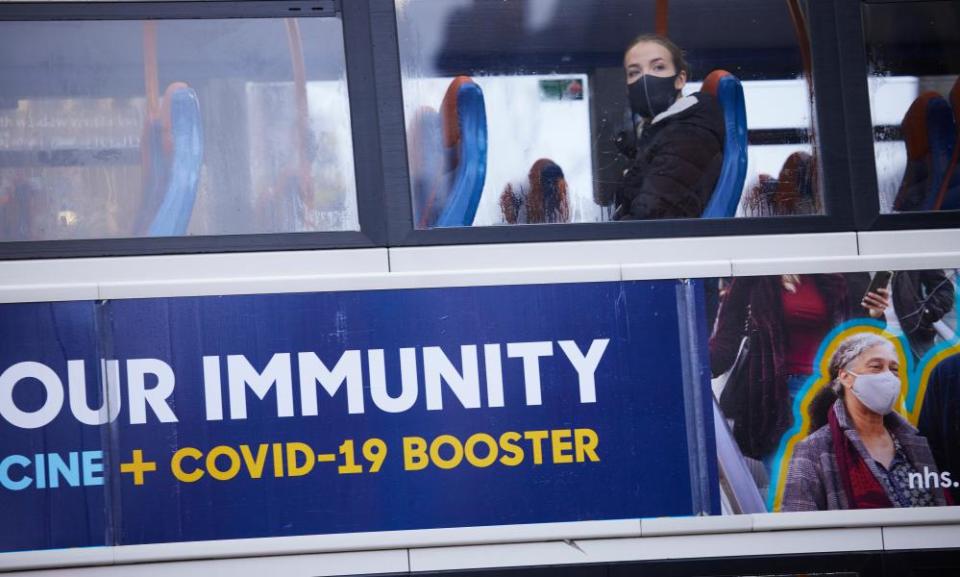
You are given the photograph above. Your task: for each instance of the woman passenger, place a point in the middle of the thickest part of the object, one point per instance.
(678, 149)
(866, 454)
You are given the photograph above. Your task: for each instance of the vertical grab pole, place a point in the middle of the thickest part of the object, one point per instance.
(150, 75)
(150, 144)
(302, 137)
(662, 18)
(803, 39)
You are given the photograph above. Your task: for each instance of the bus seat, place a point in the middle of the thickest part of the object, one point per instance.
(513, 205)
(757, 200)
(542, 199)
(464, 122)
(548, 200)
(929, 132)
(733, 172)
(426, 167)
(172, 154)
(24, 210)
(153, 175)
(795, 191)
(948, 197)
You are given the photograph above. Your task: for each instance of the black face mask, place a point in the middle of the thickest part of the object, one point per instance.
(651, 95)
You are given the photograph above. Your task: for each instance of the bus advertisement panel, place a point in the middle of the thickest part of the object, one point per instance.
(839, 391)
(184, 419)
(200, 418)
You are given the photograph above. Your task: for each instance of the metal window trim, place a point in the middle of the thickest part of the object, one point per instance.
(401, 230)
(169, 10)
(864, 188)
(381, 166)
(357, 54)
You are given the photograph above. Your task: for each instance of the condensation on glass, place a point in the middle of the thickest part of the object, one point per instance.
(174, 127)
(513, 108)
(913, 52)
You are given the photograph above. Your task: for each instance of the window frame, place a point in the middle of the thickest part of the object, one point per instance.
(371, 49)
(830, 134)
(864, 188)
(360, 88)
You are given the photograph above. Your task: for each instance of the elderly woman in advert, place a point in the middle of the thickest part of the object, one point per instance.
(865, 455)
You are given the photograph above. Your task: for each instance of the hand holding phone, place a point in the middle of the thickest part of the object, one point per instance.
(877, 298)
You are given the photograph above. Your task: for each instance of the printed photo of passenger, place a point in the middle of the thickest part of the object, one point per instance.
(768, 335)
(940, 421)
(783, 319)
(862, 454)
(910, 302)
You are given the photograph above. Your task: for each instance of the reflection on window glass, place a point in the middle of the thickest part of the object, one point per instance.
(552, 111)
(180, 127)
(913, 52)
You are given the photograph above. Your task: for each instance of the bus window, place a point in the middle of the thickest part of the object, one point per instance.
(519, 111)
(913, 51)
(174, 127)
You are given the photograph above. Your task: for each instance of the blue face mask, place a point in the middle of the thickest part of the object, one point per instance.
(650, 95)
(877, 391)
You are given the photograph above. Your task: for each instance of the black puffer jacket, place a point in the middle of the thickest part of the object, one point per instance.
(677, 163)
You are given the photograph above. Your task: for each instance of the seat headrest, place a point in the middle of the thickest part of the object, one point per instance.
(728, 91)
(712, 82)
(166, 107)
(796, 179)
(548, 193)
(448, 110)
(914, 126)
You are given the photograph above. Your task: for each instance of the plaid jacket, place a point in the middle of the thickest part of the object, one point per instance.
(813, 480)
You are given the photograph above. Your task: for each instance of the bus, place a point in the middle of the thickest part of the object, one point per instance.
(360, 287)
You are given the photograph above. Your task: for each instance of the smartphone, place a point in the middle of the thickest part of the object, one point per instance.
(880, 280)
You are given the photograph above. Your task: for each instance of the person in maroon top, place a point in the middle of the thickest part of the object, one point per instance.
(806, 320)
(786, 318)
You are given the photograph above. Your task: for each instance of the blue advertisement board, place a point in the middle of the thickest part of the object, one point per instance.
(197, 418)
